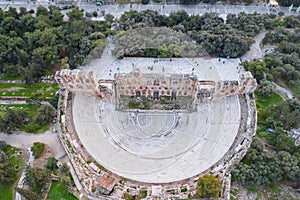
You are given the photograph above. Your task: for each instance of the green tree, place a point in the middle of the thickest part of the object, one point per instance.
(7, 171)
(3, 145)
(75, 14)
(163, 52)
(37, 178)
(175, 50)
(34, 99)
(51, 164)
(27, 194)
(64, 169)
(145, 1)
(285, 142)
(1, 15)
(209, 186)
(41, 10)
(66, 180)
(289, 165)
(12, 12)
(258, 68)
(44, 57)
(12, 120)
(55, 16)
(38, 149)
(45, 115)
(23, 12)
(266, 89)
(109, 18)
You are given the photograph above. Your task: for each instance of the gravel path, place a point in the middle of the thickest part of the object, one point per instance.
(283, 90)
(255, 51)
(25, 140)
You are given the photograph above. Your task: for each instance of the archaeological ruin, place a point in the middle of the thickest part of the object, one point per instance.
(155, 124)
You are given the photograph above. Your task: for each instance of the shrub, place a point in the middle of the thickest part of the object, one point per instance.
(38, 149)
(45, 115)
(145, 1)
(32, 127)
(51, 163)
(88, 14)
(209, 186)
(143, 194)
(95, 14)
(3, 145)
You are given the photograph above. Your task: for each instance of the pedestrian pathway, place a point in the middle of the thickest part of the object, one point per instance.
(26, 140)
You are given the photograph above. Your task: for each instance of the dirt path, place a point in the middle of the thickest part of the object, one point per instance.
(25, 140)
(255, 51)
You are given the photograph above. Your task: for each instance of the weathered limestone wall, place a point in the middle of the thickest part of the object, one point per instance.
(209, 90)
(154, 85)
(86, 83)
(146, 84)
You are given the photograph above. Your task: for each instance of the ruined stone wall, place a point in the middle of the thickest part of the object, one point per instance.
(85, 82)
(138, 84)
(209, 90)
(154, 85)
(76, 80)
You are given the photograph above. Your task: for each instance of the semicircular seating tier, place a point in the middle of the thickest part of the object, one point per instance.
(156, 146)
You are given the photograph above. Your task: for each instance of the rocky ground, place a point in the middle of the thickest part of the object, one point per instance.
(278, 192)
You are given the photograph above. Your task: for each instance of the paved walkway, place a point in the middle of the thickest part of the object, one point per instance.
(283, 90)
(255, 52)
(26, 140)
(118, 10)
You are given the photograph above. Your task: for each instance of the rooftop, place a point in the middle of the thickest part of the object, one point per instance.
(107, 182)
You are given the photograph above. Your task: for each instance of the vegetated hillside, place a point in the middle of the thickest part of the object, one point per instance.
(273, 157)
(159, 42)
(35, 46)
(232, 38)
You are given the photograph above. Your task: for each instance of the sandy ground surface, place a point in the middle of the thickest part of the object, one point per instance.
(255, 51)
(26, 140)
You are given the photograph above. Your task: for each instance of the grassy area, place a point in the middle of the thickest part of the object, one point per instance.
(296, 89)
(31, 110)
(35, 128)
(10, 150)
(59, 191)
(269, 137)
(263, 102)
(14, 158)
(6, 191)
(18, 89)
(11, 77)
(31, 127)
